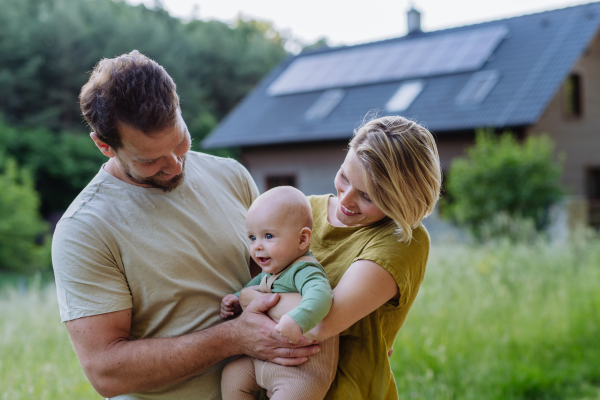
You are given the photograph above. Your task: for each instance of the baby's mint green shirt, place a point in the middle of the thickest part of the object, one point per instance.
(310, 280)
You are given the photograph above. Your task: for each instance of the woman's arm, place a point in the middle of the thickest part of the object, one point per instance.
(364, 287)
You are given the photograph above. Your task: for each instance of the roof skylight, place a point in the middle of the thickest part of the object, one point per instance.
(324, 104)
(404, 96)
(478, 87)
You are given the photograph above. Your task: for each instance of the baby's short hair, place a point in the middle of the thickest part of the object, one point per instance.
(290, 201)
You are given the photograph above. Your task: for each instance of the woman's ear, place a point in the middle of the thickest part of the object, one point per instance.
(305, 237)
(103, 147)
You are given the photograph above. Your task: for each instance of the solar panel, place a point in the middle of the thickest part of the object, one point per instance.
(412, 58)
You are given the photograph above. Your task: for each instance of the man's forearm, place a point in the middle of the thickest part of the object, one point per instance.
(135, 366)
(115, 365)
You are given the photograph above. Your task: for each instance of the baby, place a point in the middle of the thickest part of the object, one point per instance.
(279, 224)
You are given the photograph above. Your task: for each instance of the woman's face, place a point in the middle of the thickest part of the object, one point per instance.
(354, 207)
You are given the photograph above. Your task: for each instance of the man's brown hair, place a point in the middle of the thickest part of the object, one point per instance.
(130, 89)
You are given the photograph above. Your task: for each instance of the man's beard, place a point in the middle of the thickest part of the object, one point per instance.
(155, 181)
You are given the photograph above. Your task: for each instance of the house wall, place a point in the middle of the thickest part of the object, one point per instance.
(313, 165)
(577, 138)
(451, 145)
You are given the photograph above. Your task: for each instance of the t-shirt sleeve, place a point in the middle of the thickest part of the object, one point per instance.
(313, 285)
(251, 188)
(88, 279)
(406, 262)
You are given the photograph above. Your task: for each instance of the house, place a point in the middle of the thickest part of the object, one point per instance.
(531, 74)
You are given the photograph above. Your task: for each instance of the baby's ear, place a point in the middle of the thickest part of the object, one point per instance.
(305, 237)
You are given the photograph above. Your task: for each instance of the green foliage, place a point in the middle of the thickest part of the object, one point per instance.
(61, 163)
(319, 44)
(20, 222)
(507, 322)
(48, 47)
(502, 182)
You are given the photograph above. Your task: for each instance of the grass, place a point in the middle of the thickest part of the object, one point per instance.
(491, 322)
(504, 322)
(37, 360)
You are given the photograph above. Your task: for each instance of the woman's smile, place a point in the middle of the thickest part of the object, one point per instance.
(348, 212)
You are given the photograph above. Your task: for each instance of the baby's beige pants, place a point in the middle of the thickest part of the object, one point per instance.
(309, 381)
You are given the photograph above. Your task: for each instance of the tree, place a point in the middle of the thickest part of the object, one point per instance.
(60, 163)
(502, 177)
(21, 225)
(48, 48)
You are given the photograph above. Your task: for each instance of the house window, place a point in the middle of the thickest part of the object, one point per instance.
(593, 190)
(280, 180)
(572, 96)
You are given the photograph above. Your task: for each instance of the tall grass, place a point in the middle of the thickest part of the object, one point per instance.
(491, 322)
(37, 360)
(504, 322)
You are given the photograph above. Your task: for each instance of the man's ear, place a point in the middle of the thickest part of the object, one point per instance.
(305, 237)
(103, 147)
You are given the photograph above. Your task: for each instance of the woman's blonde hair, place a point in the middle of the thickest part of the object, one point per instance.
(402, 167)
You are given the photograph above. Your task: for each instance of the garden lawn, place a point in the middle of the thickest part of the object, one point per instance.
(504, 322)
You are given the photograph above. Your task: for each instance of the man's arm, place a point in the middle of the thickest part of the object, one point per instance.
(115, 365)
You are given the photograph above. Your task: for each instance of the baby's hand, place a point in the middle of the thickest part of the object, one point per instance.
(289, 329)
(230, 306)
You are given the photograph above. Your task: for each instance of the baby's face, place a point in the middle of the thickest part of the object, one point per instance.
(274, 242)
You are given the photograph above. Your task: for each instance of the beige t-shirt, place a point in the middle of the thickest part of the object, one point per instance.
(171, 257)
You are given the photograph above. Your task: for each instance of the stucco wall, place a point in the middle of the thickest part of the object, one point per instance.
(451, 146)
(313, 165)
(577, 138)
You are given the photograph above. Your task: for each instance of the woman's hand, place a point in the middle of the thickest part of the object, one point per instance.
(364, 287)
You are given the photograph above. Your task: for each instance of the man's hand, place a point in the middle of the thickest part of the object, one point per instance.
(230, 306)
(248, 295)
(258, 338)
(289, 329)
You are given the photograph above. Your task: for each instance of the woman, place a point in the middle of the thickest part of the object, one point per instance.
(374, 248)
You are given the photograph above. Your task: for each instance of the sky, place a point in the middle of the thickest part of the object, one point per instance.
(351, 21)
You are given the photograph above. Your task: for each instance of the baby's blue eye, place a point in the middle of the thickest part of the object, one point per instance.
(268, 236)
(252, 238)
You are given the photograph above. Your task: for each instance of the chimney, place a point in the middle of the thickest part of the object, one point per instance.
(414, 20)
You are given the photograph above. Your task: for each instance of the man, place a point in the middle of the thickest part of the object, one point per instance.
(144, 254)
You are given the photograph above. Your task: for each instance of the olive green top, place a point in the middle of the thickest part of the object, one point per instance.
(310, 280)
(364, 368)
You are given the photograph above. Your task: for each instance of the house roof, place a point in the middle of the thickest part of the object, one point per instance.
(524, 69)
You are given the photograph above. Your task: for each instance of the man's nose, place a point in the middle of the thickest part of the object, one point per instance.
(173, 165)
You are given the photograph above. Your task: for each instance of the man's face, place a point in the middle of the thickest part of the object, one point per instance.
(155, 161)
